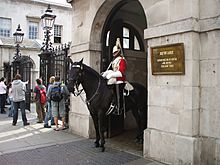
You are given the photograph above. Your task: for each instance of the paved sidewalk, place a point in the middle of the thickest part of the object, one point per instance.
(35, 145)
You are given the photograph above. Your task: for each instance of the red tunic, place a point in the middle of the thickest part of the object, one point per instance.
(119, 64)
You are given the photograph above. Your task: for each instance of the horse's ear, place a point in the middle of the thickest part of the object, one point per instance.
(70, 60)
(81, 61)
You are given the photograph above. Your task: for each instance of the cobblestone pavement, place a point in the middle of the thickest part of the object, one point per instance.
(78, 152)
(36, 145)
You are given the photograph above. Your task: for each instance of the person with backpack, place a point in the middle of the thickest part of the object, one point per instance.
(40, 98)
(58, 93)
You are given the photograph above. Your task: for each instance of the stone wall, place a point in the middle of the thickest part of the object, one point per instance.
(183, 110)
(210, 84)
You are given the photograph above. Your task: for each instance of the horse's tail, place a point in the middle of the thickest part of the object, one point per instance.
(140, 95)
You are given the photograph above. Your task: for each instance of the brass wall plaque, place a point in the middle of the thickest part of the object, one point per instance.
(168, 60)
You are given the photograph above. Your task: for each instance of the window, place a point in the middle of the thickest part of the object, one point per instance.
(126, 38)
(57, 33)
(107, 39)
(33, 30)
(131, 38)
(136, 44)
(5, 27)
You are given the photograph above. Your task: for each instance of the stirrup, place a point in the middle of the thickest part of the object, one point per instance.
(111, 108)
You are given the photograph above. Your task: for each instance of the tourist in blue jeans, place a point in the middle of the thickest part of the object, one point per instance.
(48, 115)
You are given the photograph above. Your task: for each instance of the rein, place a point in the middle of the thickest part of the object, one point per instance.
(96, 92)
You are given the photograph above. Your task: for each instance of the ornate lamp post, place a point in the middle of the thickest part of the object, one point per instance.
(18, 38)
(48, 19)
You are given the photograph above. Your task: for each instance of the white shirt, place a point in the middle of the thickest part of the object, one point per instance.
(10, 94)
(3, 88)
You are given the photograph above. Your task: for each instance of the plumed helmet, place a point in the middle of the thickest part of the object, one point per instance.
(115, 49)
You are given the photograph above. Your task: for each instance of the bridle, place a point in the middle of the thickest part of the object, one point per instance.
(77, 83)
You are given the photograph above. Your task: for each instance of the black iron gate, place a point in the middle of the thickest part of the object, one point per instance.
(23, 66)
(7, 72)
(54, 63)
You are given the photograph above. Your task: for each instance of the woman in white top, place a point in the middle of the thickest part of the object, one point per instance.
(3, 90)
(11, 108)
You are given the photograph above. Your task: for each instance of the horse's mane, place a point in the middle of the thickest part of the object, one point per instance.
(92, 71)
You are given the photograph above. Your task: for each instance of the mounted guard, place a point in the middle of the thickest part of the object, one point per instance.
(99, 98)
(117, 77)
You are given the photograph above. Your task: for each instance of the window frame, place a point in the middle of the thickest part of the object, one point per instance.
(35, 33)
(4, 33)
(132, 34)
(56, 34)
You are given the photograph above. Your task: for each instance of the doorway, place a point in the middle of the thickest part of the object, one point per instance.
(127, 22)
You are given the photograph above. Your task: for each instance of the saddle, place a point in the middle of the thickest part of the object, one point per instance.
(128, 87)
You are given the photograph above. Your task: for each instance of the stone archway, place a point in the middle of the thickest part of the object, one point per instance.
(88, 45)
(130, 15)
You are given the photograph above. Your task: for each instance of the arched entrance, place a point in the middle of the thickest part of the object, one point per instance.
(94, 35)
(126, 21)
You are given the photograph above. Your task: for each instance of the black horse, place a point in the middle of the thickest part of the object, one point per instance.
(99, 97)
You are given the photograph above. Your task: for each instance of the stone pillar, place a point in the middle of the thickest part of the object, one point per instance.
(83, 46)
(173, 106)
(183, 110)
(174, 100)
(80, 120)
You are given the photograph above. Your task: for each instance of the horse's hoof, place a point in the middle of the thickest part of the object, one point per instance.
(96, 145)
(103, 149)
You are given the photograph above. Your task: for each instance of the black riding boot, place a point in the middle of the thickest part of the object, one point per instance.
(119, 99)
(117, 104)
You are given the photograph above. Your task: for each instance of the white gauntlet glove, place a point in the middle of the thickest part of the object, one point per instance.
(104, 74)
(114, 75)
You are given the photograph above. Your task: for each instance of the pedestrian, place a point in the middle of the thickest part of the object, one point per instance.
(117, 74)
(49, 115)
(18, 95)
(57, 93)
(39, 91)
(3, 95)
(10, 100)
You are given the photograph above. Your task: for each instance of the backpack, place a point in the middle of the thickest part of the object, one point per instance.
(43, 97)
(56, 93)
